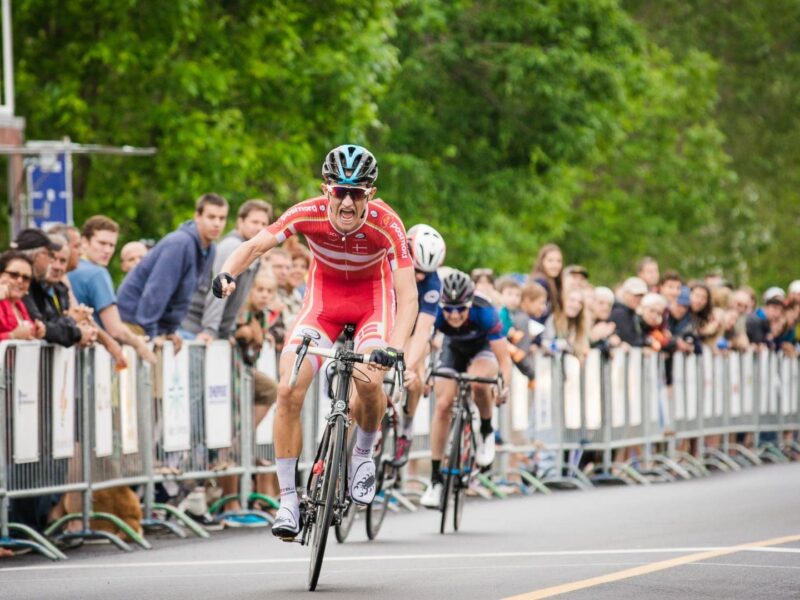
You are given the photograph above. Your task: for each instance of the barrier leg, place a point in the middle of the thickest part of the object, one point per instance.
(769, 451)
(184, 520)
(722, 458)
(747, 454)
(533, 481)
(268, 500)
(38, 540)
(490, 485)
(692, 464)
(13, 543)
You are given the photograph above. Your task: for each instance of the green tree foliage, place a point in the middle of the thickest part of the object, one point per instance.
(615, 131)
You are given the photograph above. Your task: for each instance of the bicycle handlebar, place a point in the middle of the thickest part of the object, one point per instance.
(498, 381)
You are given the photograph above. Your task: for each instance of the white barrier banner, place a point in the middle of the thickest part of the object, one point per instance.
(26, 404)
(264, 428)
(128, 400)
(268, 362)
(572, 392)
(748, 393)
(593, 391)
(678, 386)
(519, 401)
(691, 387)
(786, 385)
(735, 378)
(763, 379)
(775, 387)
(618, 390)
(63, 399)
(218, 416)
(719, 385)
(707, 364)
(795, 387)
(422, 425)
(543, 393)
(103, 424)
(653, 389)
(175, 402)
(635, 387)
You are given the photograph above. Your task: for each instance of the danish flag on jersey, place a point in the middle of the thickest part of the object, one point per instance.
(359, 254)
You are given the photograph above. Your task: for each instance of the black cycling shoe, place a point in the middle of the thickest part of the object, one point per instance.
(285, 525)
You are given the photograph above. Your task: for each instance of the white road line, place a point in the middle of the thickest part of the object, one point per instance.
(389, 557)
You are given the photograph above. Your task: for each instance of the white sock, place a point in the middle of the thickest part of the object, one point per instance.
(408, 425)
(365, 442)
(286, 480)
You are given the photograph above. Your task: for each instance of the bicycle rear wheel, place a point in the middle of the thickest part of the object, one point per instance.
(452, 459)
(343, 529)
(466, 464)
(386, 478)
(332, 474)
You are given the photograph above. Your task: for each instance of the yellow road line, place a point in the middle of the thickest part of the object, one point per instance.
(651, 568)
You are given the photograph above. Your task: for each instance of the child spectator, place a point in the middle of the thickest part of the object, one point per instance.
(547, 272)
(510, 296)
(16, 272)
(525, 334)
(484, 284)
(670, 286)
(567, 330)
(576, 276)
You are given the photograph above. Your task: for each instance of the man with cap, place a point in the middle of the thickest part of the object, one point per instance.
(760, 323)
(623, 314)
(42, 298)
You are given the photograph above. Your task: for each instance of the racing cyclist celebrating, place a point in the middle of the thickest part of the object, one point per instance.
(473, 343)
(360, 265)
(427, 253)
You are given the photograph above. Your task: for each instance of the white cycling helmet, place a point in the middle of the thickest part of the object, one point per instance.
(427, 248)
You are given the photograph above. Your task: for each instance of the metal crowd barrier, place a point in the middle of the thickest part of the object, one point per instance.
(72, 424)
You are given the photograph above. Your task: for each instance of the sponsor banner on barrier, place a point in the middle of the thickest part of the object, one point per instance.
(735, 382)
(218, 416)
(26, 404)
(618, 389)
(128, 404)
(63, 399)
(691, 387)
(572, 392)
(268, 362)
(635, 387)
(103, 418)
(175, 403)
(593, 391)
(543, 393)
(519, 401)
(679, 386)
(422, 425)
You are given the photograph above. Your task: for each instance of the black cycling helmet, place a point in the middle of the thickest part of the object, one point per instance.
(457, 289)
(350, 165)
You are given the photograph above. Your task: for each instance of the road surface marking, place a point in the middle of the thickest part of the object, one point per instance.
(650, 568)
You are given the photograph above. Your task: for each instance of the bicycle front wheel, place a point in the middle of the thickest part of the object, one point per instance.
(343, 529)
(451, 466)
(332, 476)
(466, 464)
(386, 478)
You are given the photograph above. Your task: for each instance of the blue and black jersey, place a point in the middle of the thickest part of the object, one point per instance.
(429, 290)
(481, 327)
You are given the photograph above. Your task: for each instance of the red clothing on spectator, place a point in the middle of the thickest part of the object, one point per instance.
(8, 319)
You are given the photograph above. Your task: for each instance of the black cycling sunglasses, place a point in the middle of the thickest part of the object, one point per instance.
(455, 309)
(357, 194)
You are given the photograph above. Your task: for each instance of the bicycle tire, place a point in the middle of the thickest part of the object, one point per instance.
(324, 513)
(451, 466)
(386, 474)
(467, 464)
(342, 529)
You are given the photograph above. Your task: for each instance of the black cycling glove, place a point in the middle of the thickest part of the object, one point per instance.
(216, 285)
(386, 357)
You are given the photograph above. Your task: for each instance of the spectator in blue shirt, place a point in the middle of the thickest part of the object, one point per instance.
(154, 297)
(92, 286)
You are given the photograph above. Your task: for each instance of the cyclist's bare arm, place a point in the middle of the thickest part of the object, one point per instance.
(500, 349)
(418, 344)
(244, 255)
(405, 289)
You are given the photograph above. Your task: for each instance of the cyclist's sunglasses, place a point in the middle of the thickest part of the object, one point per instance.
(340, 192)
(455, 309)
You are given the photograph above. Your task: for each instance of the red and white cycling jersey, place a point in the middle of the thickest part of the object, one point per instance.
(350, 277)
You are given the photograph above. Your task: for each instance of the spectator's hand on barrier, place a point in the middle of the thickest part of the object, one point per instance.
(39, 329)
(88, 335)
(684, 346)
(143, 351)
(177, 341)
(119, 357)
(23, 331)
(223, 285)
(204, 337)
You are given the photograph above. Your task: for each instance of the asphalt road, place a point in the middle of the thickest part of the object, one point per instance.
(728, 536)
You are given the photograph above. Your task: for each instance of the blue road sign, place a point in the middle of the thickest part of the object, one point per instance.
(49, 190)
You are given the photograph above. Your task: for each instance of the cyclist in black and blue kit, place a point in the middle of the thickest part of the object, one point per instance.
(474, 344)
(427, 254)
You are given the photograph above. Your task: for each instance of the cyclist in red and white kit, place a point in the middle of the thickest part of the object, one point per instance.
(361, 273)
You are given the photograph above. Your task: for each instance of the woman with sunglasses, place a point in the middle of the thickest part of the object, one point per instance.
(360, 273)
(16, 271)
(473, 344)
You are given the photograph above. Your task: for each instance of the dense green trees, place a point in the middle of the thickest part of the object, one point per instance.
(613, 130)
